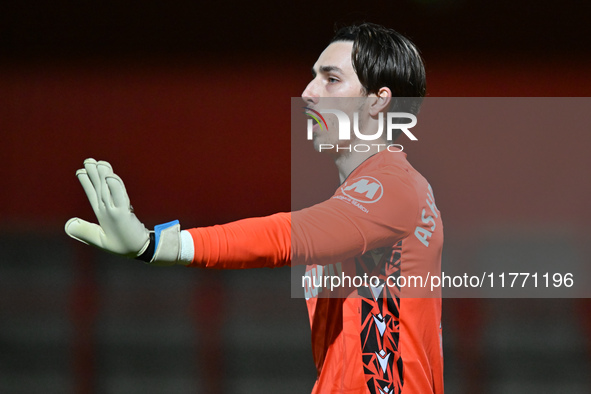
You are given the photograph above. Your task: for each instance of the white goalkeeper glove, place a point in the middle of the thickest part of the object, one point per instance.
(119, 231)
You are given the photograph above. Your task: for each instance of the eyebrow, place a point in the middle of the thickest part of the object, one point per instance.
(327, 69)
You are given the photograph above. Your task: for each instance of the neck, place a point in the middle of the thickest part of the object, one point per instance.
(347, 162)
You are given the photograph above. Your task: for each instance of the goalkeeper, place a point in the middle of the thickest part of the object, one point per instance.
(382, 220)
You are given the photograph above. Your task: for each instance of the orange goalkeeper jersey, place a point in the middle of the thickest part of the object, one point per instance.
(369, 251)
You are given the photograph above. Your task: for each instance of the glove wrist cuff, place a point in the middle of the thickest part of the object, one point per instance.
(164, 246)
(148, 253)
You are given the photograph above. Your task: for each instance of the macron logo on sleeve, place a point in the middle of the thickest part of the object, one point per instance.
(364, 189)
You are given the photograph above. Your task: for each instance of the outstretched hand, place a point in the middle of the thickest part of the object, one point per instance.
(118, 230)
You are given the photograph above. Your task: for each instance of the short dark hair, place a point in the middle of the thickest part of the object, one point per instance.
(382, 57)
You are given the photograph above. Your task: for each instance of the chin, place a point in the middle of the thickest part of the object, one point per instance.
(316, 145)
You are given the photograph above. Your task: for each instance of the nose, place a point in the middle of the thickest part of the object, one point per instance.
(310, 94)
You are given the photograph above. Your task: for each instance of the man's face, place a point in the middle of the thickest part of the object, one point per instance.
(333, 79)
(333, 74)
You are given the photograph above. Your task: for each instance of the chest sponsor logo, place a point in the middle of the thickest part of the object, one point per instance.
(365, 189)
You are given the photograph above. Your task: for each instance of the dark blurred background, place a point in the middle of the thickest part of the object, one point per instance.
(190, 102)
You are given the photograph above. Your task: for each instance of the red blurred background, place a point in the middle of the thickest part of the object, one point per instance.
(191, 105)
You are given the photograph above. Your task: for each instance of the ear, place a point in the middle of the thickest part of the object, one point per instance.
(381, 102)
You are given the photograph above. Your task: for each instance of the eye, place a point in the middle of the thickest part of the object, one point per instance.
(332, 80)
